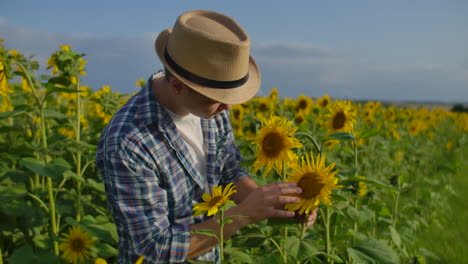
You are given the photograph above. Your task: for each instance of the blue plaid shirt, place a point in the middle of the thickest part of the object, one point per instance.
(151, 183)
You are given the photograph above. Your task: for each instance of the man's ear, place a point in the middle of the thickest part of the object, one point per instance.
(176, 85)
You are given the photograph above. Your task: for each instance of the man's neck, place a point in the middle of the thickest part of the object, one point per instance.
(164, 95)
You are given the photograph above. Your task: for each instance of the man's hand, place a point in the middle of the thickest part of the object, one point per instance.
(308, 219)
(268, 201)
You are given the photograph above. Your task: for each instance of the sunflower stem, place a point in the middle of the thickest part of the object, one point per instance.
(355, 148)
(395, 211)
(78, 147)
(303, 227)
(326, 219)
(40, 103)
(280, 250)
(221, 234)
(285, 228)
(312, 139)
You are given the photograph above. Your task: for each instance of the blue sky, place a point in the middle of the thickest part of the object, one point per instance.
(369, 50)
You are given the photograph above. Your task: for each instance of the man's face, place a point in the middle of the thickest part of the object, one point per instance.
(202, 106)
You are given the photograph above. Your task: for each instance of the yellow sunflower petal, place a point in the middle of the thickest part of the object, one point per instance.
(206, 197)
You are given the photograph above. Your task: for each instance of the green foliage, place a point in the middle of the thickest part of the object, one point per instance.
(412, 210)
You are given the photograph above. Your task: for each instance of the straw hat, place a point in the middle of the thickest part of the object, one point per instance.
(210, 53)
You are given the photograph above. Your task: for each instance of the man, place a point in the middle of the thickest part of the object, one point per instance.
(172, 142)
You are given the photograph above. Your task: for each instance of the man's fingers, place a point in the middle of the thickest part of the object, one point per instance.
(282, 213)
(312, 218)
(282, 188)
(283, 200)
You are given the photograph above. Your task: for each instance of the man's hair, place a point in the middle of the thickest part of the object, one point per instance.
(167, 74)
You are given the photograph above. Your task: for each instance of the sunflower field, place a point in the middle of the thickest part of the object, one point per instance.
(386, 182)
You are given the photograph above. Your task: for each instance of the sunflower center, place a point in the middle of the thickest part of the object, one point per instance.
(215, 200)
(77, 244)
(299, 120)
(263, 107)
(272, 144)
(302, 104)
(310, 185)
(339, 120)
(324, 103)
(237, 114)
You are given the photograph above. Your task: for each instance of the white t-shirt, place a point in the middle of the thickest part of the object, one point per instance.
(189, 128)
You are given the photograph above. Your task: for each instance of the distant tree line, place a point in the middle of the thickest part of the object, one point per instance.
(459, 108)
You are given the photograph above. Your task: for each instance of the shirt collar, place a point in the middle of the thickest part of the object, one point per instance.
(149, 109)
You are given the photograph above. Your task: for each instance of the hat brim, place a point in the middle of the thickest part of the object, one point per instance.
(232, 96)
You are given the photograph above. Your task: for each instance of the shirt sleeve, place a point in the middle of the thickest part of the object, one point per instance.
(140, 209)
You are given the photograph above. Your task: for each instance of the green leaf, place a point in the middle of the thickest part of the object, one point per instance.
(333, 257)
(60, 80)
(373, 183)
(357, 235)
(48, 258)
(299, 249)
(73, 175)
(339, 201)
(384, 211)
(54, 114)
(347, 172)
(343, 136)
(14, 191)
(105, 250)
(359, 258)
(34, 165)
(282, 221)
(395, 236)
(360, 216)
(368, 133)
(25, 254)
(236, 256)
(375, 251)
(86, 145)
(54, 171)
(11, 113)
(98, 186)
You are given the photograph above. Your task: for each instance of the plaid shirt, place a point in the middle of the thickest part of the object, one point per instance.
(151, 183)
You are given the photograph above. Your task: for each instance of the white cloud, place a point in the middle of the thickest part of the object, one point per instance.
(115, 61)
(315, 70)
(295, 68)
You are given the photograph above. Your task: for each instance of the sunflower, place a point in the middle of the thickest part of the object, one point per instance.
(103, 261)
(275, 142)
(140, 83)
(324, 101)
(76, 245)
(341, 117)
(140, 260)
(362, 187)
(4, 89)
(299, 118)
(100, 261)
(303, 104)
(330, 144)
(316, 181)
(213, 202)
(237, 118)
